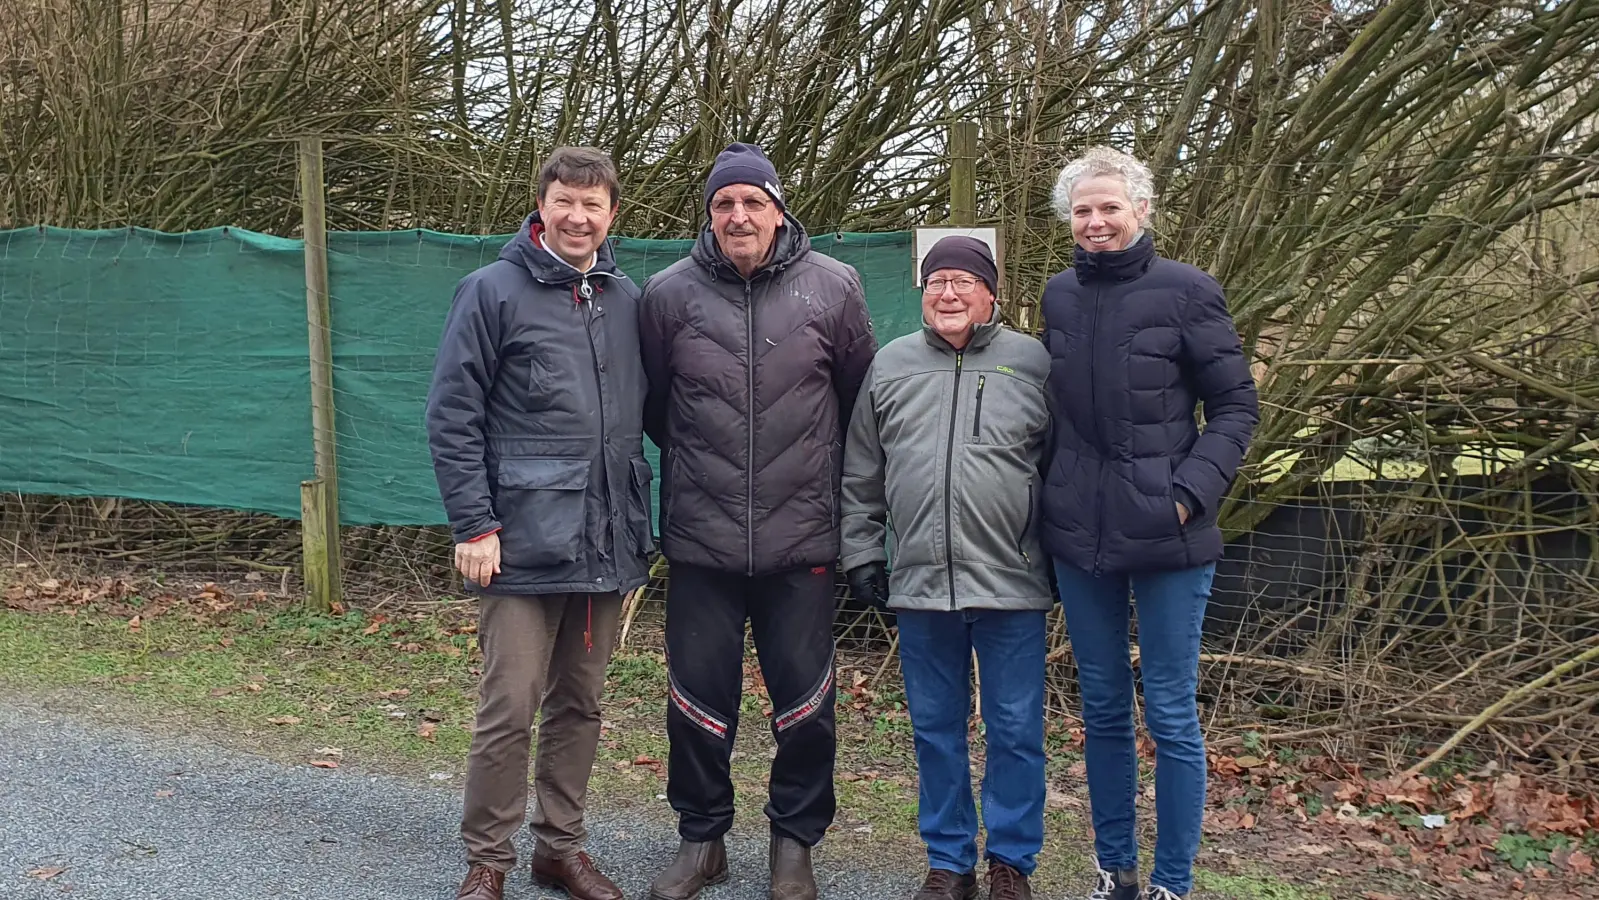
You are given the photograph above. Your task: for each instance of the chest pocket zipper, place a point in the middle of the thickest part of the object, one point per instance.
(977, 417)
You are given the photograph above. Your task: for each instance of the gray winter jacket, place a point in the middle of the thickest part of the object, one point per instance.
(535, 420)
(948, 448)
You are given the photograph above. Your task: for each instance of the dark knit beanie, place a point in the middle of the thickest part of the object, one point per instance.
(744, 164)
(967, 254)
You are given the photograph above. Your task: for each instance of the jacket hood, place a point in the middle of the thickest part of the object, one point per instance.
(525, 250)
(789, 244)
(1114, 265)
(982, 333)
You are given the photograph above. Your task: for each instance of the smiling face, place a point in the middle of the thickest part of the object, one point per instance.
(744, 219)
(576, 220)
(1103, 216)
(950, 312)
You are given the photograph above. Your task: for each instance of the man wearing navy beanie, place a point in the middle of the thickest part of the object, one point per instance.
(754, 348)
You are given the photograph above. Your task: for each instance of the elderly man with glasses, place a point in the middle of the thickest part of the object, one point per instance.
(948, 442)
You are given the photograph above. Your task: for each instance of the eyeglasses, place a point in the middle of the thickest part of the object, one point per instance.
(962, 285)
(725, 207)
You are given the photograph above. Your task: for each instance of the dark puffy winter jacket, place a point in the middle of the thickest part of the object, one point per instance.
(1135, 340)
(535, 421)
(751, 388)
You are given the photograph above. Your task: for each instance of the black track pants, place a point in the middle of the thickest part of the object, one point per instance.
(791, 617)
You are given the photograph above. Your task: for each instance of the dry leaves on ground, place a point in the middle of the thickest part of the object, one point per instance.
(46, 873)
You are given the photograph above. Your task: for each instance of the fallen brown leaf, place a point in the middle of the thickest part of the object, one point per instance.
(226, 642)
(284, 720)
(1579, 863)
(427, 730)
(46, 873)
(395, 694)
(377, 623)
(324, 764)
(133, 623)
(162, 795)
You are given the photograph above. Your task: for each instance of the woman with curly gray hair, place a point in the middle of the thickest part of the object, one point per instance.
(1136, 341)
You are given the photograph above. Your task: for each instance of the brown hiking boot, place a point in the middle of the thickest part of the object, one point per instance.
(577, 875)
(696, 865)
(792, 877)
(942, 884)
(482, 883)
(1005, 883)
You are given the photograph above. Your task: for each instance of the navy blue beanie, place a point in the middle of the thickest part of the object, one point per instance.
(967, 254)
(744, 164)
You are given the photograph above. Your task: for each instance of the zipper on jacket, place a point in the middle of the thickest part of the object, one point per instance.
(1093, 415)
(587, 292)
(949, 467)
(1027, 524)
(749, 469)
(977, 417)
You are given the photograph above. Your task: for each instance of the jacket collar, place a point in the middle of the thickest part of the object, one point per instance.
(527, 251)
(982, 334)
(1114, 265)
(789, 244)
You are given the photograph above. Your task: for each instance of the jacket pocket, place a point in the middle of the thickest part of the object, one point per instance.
(1178, 525)
(666, 490)
(977, 414)
(638, 514)
(542, 505)
(1027, 523)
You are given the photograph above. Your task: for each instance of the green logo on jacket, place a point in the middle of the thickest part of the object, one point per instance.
(1006, 369)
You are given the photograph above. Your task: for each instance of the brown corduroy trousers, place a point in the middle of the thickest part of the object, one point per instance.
(541, 654)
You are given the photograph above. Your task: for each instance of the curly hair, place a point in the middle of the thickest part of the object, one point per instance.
(1098, 161)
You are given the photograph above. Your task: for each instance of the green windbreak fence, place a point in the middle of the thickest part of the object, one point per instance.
(174, 367)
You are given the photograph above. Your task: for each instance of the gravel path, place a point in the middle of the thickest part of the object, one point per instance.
(130, 815)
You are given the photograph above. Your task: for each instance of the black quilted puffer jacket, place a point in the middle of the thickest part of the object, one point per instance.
(751, 386)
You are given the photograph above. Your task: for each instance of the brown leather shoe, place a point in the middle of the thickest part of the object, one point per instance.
(1005, 883)
(942, 884)
(792, 877)
(576, 875)
(696, 865)
(482, 883)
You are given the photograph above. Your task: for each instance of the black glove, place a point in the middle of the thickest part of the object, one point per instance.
(869, 584)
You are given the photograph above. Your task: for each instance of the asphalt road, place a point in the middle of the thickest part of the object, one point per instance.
(135, 815)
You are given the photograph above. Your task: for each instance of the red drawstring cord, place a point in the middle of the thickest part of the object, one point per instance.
(588, 633)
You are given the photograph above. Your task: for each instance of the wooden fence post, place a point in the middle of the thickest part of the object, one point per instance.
(319, 499)
(963, 173)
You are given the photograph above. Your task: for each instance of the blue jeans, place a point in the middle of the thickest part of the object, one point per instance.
(1171, 608)
(936, 654)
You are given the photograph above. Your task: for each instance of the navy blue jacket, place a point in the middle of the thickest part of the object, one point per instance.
(535, 421)
(1135, 341)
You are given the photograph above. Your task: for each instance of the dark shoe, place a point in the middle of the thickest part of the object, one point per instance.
(576, 875)
(942, 884)
(1119, 885)
(1156, 892)
(696, 865)
(792, 877)
(1006, 883)
(482, 883)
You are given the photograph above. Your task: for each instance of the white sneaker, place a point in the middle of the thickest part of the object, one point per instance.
(1156, 892)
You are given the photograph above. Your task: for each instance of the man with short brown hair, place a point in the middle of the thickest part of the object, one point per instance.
(535, 421)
